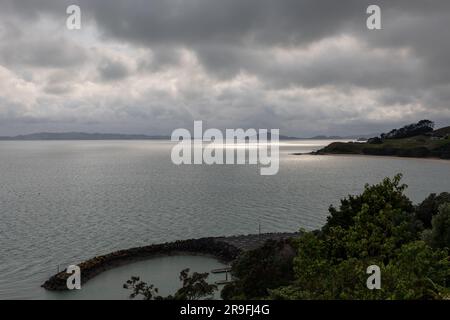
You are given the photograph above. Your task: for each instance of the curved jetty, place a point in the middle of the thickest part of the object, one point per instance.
(225, 249)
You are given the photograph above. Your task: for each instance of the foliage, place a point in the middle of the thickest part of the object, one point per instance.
(411, 130)
(194, 287)
(260, 270)
(439, 235)
(141, 288)
(418, 272)
(378, 227)
(426, 210)
(387, 194)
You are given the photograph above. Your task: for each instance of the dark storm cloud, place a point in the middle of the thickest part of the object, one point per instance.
(232, 21)
(21, 44)
(400, 73)
(56, 52)
(221, 32)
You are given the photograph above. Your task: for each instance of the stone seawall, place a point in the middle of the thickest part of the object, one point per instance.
(225, 249)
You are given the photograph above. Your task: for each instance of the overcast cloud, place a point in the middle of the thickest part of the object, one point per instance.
(149, 66)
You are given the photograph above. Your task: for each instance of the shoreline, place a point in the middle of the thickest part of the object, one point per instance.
(225, 249)
(314, 153)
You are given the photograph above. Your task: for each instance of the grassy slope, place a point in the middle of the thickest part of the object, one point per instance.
(442, 131)
(419, 146)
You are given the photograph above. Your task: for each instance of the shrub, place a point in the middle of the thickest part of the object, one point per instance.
(258, 271)
(440, 232)
(426, 210)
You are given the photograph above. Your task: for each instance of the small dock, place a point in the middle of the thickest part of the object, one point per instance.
(222, 270)
(223, 282)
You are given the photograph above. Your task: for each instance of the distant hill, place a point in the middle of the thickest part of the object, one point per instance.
(81, 136)
(350, 137)
(280, 137)
(118, 136)
(442, 131)
(96, 136)
(433, 144)
(326, 138)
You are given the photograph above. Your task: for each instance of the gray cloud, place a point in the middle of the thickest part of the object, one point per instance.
(113, 70)
(306, 66)
(42, 53)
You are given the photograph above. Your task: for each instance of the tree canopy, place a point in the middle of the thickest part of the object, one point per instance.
(194, 287)
(378, 227)
(411, 130)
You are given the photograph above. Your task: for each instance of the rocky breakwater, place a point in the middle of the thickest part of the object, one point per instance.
(225, 249)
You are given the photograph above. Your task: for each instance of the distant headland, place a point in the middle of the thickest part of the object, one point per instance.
(418, 140)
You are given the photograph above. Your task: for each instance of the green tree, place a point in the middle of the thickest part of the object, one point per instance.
(440, 232)
(375, 197)
(426, 210)
(141, 288)
(379, 228)
(258, 271)
(194, 287)
(418, 272)
(373, 224)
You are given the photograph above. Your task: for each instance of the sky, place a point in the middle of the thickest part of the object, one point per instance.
(306, 67)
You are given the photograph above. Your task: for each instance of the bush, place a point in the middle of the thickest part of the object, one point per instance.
(378, 227)
(426, 210)
(375, 228)
(418, 272)
(440, 232)
(376, 197)
(260, 270)
(195, 287)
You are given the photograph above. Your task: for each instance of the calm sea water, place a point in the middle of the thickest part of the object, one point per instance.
(63, 202)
